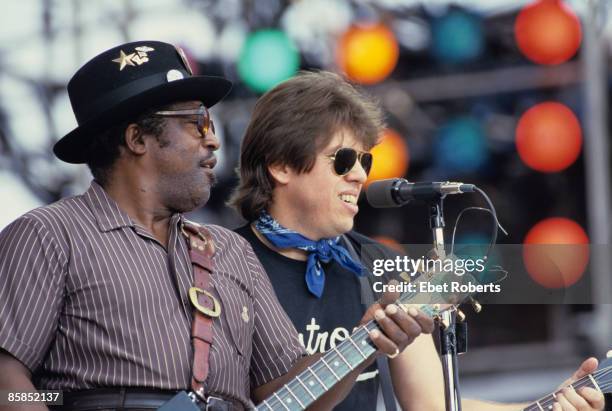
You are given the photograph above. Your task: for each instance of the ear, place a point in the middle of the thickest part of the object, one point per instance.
(134, 140)
(280, 173)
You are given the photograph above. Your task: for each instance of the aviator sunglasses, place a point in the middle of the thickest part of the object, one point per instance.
(345, 158)
(204, 124)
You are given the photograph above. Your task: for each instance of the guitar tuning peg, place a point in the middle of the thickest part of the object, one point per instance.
(441, 324)
(475, 305)
(460, 316)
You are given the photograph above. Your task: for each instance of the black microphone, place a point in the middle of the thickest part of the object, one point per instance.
(396, 192)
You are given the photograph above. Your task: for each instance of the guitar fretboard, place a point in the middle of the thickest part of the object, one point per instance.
(334, 365)
(598, 380)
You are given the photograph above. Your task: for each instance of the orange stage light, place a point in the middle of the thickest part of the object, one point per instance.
(391, 157)
(390, 242)
(367, 54)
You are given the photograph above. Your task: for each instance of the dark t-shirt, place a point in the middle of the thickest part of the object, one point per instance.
(322, 323)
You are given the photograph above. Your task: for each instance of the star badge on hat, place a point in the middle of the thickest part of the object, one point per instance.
(138, 58)
(102, 98)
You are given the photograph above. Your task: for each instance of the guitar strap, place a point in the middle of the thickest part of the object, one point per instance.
(382, 362)
(205, 306)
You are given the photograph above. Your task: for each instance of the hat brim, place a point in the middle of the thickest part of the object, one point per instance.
(72, 148)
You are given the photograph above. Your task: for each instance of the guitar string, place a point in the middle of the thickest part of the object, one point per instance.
(317, 367)
(582, 382)
(360, 333)
(543, 402)
(550, 399)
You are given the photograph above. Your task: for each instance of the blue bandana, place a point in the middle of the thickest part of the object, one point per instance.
(320, 251)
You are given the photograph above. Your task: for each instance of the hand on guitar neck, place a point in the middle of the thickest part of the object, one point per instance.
(320, 382)
(570, 397)
(399, 326)
(583, 391)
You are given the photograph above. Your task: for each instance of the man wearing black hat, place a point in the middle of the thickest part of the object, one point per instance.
(117, 300)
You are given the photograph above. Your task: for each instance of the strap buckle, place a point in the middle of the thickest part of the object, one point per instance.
(193, 297)
(208, 403)
(216, 404)
(198, 232)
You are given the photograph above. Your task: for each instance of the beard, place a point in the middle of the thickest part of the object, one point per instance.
(186, 192)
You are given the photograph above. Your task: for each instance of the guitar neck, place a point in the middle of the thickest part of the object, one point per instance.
(326, 372)
(546, 403)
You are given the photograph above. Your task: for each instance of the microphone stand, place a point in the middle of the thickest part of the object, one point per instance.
(448, 337)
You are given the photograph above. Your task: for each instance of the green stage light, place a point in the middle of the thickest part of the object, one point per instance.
(267, 58)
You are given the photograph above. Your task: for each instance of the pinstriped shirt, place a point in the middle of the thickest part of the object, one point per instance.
(88, 298)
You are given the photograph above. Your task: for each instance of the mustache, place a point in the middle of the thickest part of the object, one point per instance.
(211, 161)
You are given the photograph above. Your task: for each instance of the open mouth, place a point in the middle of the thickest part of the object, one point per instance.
(209, 164)
(348, 198)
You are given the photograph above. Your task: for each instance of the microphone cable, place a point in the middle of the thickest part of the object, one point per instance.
(490, 210)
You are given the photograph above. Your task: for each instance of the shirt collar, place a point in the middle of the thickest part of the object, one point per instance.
(105, 210)
(110, 217)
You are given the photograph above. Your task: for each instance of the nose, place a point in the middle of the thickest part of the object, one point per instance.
(357, 174)
(210, 141)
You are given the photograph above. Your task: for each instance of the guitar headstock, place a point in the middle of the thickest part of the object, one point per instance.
(435, 298)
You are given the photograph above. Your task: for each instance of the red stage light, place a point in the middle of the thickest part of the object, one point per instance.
(547, 32)
(548, 137)
(556, 252)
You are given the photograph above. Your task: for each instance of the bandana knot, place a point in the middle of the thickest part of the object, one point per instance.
(322, 251)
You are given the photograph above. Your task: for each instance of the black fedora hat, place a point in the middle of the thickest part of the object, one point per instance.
(125, 81)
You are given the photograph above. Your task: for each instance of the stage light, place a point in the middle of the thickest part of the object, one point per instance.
(367, 53)
(547, 32)
(548, 137)
(389, 242)
(457, 37)
(267, 58)
(556, 252)
(391, 157)
(460, 146)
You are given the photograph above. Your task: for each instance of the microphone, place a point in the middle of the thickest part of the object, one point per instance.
(396, 192)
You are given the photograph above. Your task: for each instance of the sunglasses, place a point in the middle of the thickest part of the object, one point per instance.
(345, 158)
(204, 124)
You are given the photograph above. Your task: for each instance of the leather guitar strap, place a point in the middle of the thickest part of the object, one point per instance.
(205, 306)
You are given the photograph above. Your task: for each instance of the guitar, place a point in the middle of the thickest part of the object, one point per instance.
(601, 380)
(317, 379)
(335, 364)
